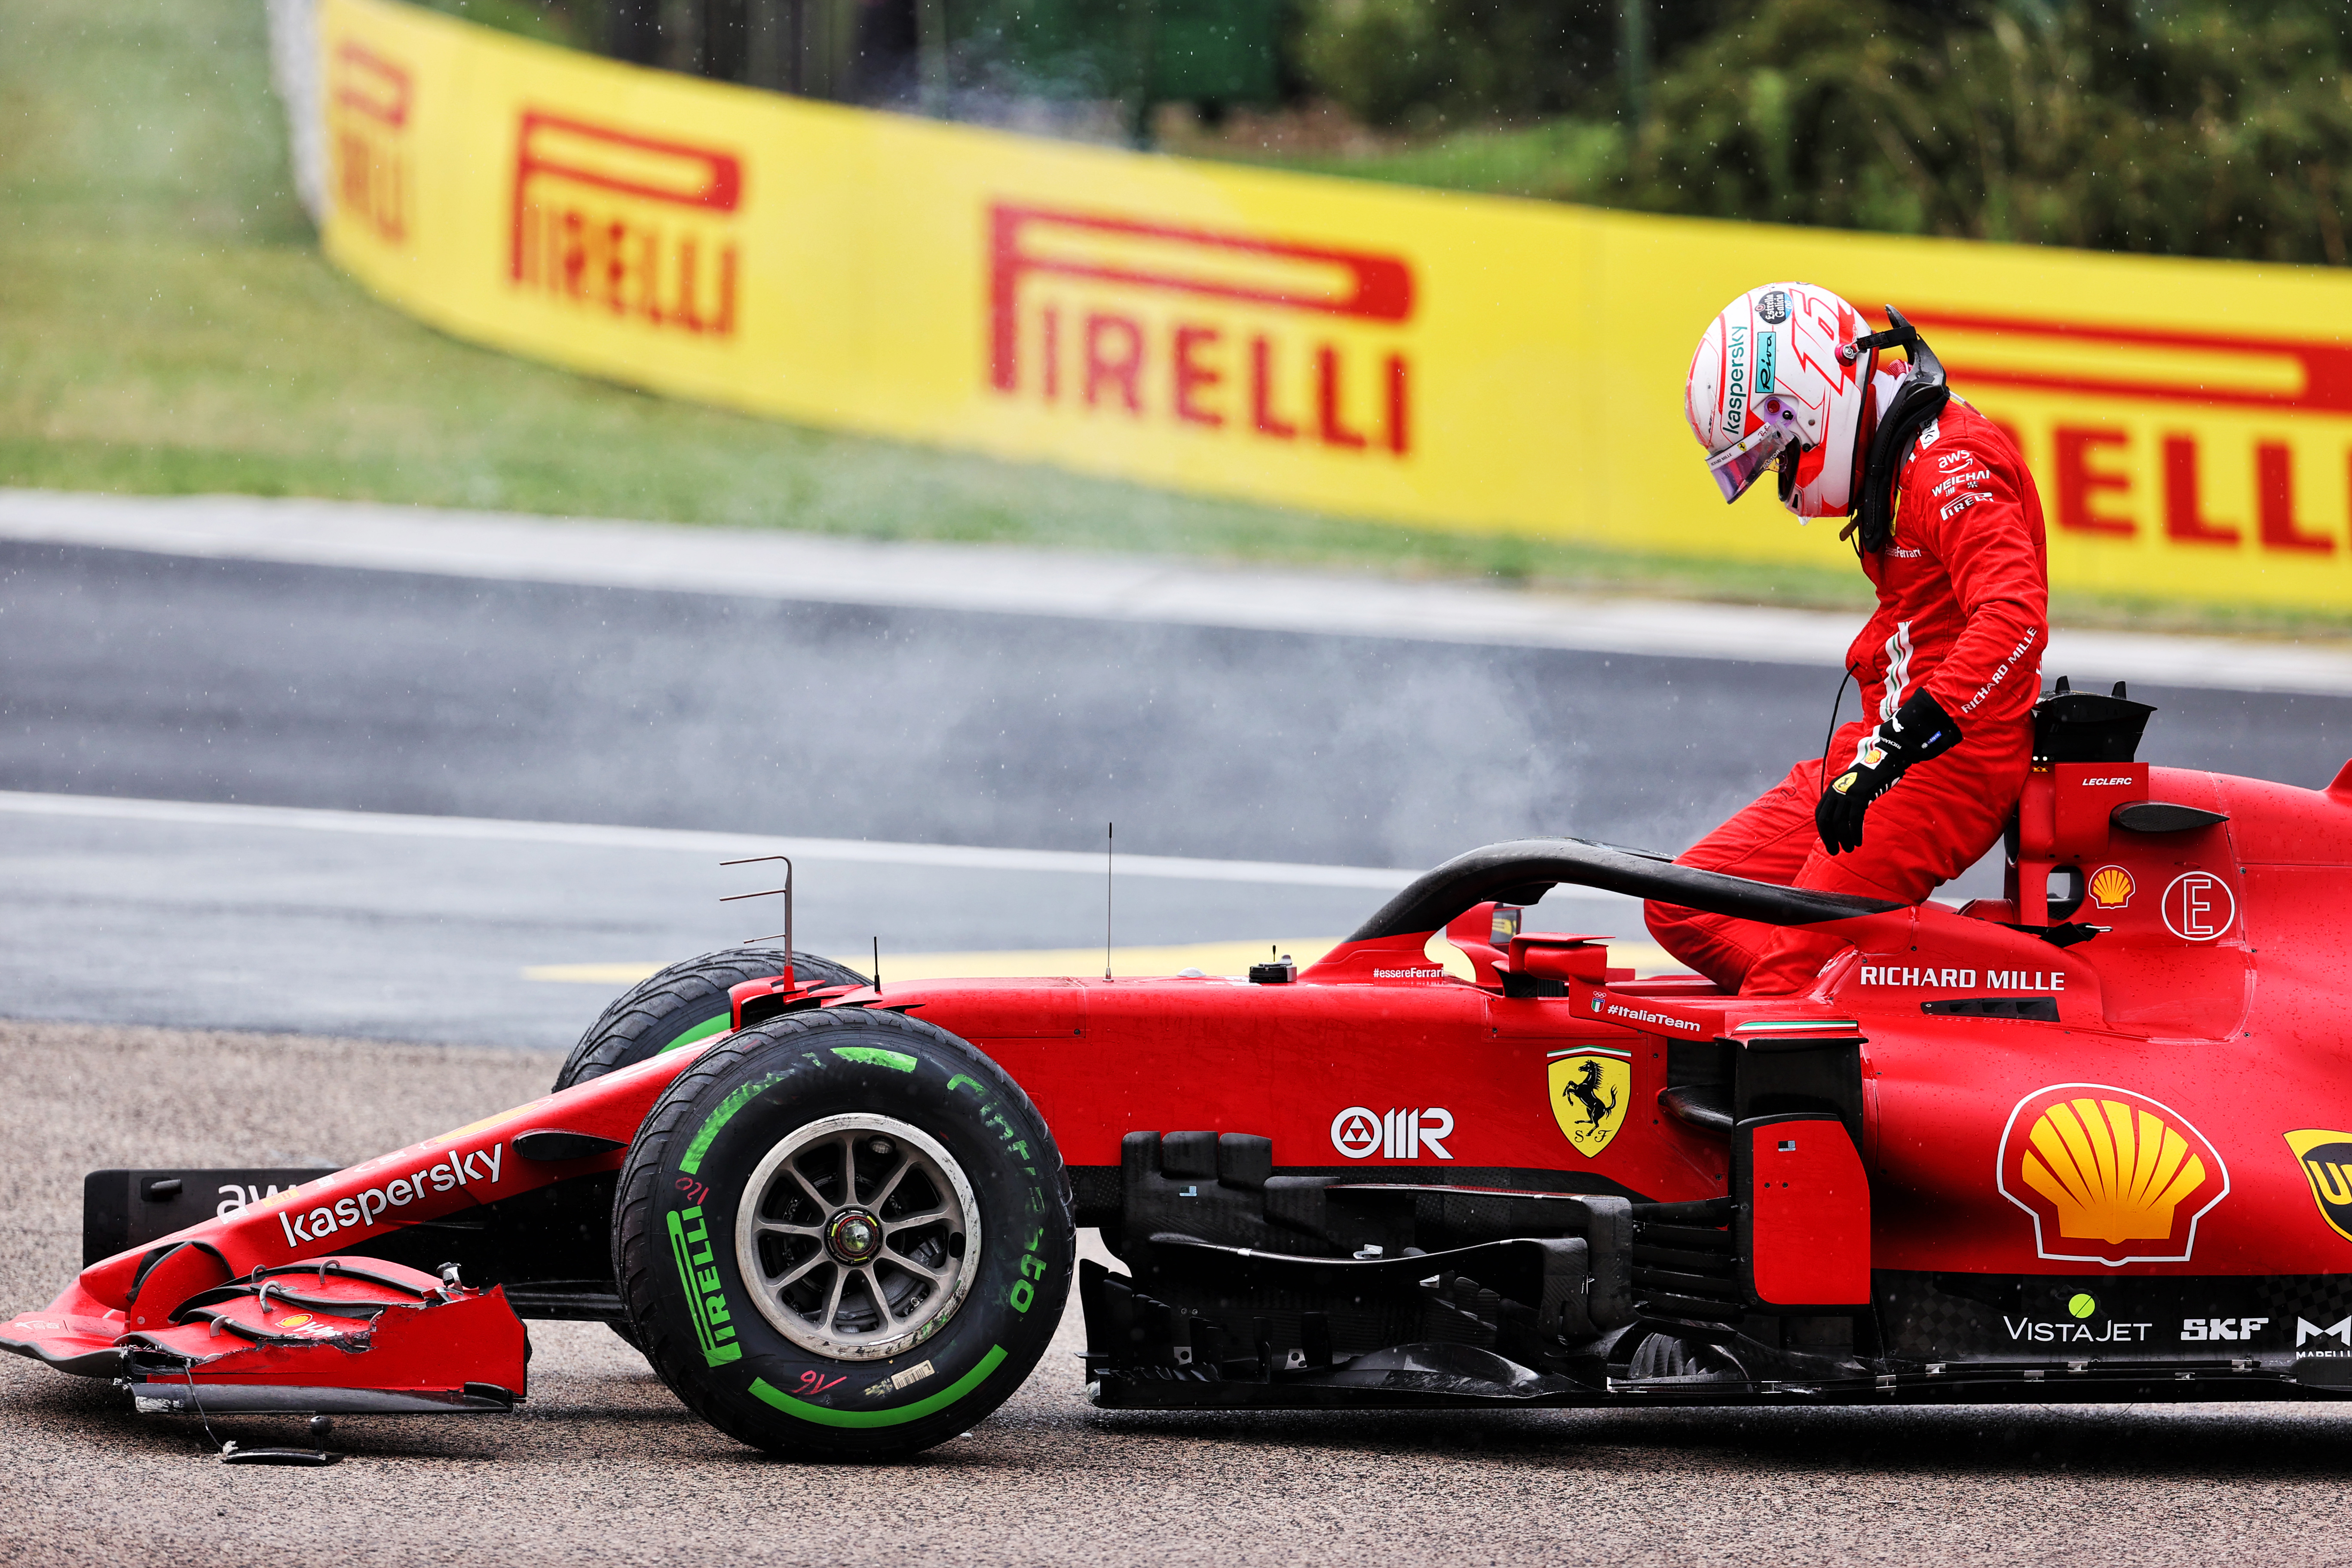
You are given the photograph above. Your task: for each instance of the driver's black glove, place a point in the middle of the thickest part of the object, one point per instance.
(1919, 729)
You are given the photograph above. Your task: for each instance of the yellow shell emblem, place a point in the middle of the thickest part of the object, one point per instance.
(2112, 887)
(1590, 1093)
(2109, 1176)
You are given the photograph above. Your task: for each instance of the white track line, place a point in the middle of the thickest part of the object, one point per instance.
(722, 846)
(763, 564)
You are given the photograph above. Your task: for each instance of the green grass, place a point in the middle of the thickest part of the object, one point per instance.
(1561, 161)
(167, 326)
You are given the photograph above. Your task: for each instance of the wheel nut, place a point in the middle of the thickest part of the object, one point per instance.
(854, 1235)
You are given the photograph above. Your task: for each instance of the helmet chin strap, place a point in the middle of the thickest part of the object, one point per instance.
(1919, 398)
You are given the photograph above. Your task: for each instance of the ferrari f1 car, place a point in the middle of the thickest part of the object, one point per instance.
(2085, 1141)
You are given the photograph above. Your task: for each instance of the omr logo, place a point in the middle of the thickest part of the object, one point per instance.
(367, 102)
(1359, 1132)
(642, 227)
(1206, 329)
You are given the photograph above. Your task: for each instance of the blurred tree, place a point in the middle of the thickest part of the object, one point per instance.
(1390, 62)
(2192, 127)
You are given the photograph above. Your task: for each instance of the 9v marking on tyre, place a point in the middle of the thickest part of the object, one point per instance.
(858, 1237)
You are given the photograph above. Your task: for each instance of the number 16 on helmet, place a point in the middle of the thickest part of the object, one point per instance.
(1769, 391)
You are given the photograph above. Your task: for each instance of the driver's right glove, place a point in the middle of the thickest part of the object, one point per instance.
(1919, 729)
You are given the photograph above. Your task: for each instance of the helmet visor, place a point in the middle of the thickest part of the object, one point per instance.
(1749, 458)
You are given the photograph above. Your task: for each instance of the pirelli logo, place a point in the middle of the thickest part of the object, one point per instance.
(2205, 441)
(639, 228)
(369, 99)
(1237, 335)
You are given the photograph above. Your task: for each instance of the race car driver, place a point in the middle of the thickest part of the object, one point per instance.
(1787, 383)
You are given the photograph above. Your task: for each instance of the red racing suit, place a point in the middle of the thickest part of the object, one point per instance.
(1963, 610)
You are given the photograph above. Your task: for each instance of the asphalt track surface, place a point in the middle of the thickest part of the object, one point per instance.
(139, 674)
(601, 1464)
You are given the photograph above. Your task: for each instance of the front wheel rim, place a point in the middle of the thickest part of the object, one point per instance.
(858, 1237)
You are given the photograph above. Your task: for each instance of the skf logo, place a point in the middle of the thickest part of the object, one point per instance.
(1589, 1091)
(1205, 330)
(368, 100)
(2326, 1160)
(2109, 1176)
(706, 1301)
(637, 228)
(1361, 1132)
(2221, 1327)
(2111, 888)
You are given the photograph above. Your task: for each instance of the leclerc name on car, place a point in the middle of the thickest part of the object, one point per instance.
(364, 1209)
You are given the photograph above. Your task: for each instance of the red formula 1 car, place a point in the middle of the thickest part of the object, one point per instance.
(2088, 1142)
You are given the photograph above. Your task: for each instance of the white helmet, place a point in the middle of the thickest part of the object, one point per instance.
(1777, 383)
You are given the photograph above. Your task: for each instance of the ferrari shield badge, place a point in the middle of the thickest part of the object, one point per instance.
(2326, 1160)
(1589, 1093)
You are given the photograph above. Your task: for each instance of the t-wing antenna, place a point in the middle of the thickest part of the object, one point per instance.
(790, 950)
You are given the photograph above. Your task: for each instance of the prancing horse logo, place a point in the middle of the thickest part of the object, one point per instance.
(1589, 1092)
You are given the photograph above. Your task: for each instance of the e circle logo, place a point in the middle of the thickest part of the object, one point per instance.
(2200, 907)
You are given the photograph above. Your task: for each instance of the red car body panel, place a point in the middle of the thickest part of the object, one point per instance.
(2205, 1022)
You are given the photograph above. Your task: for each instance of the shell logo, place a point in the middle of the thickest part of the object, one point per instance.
(2112, 887)
(294, 1320)
(2109, 1176)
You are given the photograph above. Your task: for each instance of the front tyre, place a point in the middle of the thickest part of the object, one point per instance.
(843, 1235)
(683, 1003)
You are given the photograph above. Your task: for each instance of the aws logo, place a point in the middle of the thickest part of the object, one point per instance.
(2109, 1176)
(2326, 1160)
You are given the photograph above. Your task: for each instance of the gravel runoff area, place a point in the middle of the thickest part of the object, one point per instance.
(601, 1464)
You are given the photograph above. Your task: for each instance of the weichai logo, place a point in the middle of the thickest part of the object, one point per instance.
(2207, 442)
(1236, 336)
(639, 228)
(368, 103)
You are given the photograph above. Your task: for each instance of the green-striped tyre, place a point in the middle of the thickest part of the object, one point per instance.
(843, 1236)
(683, 1004)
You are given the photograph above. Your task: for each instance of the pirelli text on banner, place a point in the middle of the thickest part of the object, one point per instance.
(368, 97)
(1341, 346)
(630, 223)
(1215, 330)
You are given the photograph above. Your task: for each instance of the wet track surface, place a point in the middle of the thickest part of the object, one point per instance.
(176, 678)
(602, 1465)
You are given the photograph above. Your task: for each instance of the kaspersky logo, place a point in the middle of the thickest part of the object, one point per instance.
(478, 1167)
(1227, 332)
(706, 1302)
(2109, 1176)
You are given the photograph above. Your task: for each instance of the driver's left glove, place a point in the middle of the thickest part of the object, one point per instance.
(1919, 729)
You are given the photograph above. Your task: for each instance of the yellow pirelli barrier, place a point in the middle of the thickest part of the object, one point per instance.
(1410, 355)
